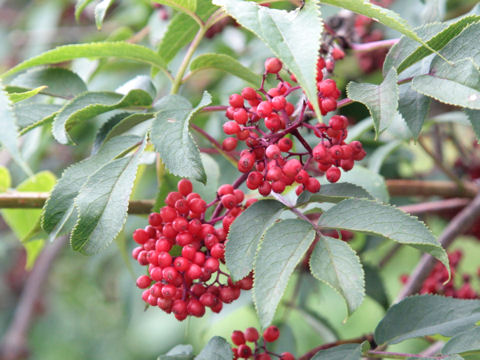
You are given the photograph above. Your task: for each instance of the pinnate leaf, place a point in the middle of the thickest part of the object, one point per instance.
(91, 104)
(29, 116)
(217, 349)
(246, 233)
(381, 100)
(118, 49)
(383, 220)
(283, 247)
(285, 34)
(336, 264)
(439, 315)
(225, 63)
(20, 95)
(335, 193)
(171, 136)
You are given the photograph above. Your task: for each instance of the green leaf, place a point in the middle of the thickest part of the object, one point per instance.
(9, 133)
(457, 84)
(336, 264)
(284, 33)
(5, 179)
(369, 180)
(179, 352)
(383, 220)
(343, 352)
(381, 153)
(335, 193)
(171, 136)
(284, 245)
(181, 31)
(246, 233)
(180, 5)
(17, 96)
(30, 116)
(22, 221)
(381, 100)
(378, 13)
(374, 286)
(91, 104)
(80, 5)
(216, 349)
(101, 10)
(474, 118)
(439, 40)
(60, 82)
(225, 63)
(127, 123)
(118, 49)
(59, 211)
(465, 342)
(424, 315)
(33, 249)
(102, 204)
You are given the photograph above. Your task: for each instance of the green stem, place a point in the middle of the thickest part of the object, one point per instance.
(186, 60)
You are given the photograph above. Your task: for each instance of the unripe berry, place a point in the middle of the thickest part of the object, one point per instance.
(333, 174)
(271, 334)
(236, 100)
(273, 65)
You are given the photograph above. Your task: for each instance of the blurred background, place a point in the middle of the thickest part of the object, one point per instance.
(89, 307)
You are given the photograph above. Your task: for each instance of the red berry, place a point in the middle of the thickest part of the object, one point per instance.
(338, 122)
(168, 214)
(155, 219)
(279, 102)
(238, 337)
(313, 185)
(292, 167)
(185, 187)
(285, 144)
(225, 189)
(278, 186)
(249, 93)
(264, 109)
(197, 205)
(287, 356)
(251, 334)
(229, 144)
(143, 282)
(333, 174)
(271, 334)
(240, 116)
(273, 65)
(328, 104)
(246, 162)
(337, 54)
(231, 128)
(272, 151)
(172, 198)
(229, 201)
(236, 100)
(140, 236)
(244, 351)
(289, 108)
(218, 251)
(265, 188)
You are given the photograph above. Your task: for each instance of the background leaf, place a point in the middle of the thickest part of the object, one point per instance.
(467, 341)
(216, 349)
(245, 235)
(440, 315)
(336, 264)
(170, 130)
(5, 179)
(383, 220)
(335, 193)
(342, 352)
(283, 246)
(101, 10)
(284, 33)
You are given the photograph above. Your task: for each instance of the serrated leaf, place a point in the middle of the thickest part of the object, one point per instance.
(179, 352)
(9, 133)
(17, 96)
(439, 315)
(181, 31)
(59, 81)
(378, 13)
(335, 263)
(465, 342)
(216, 349)
(118, 49)
(101, 10)
(80, 5)
(474, 118)
(283, 247)
(370, 181)
(187, 6)
(172, 139)
(102, 204)
(381, 100)
(376, 160)
(284, 33)
(246, 233)
(30, 116)
(225, 63)
(374, 287)
(343, 352)
(91, 104)
(59, 214)
(461, 80)
(5, 179)
(335, 193)
(383, 220)
(141, 82)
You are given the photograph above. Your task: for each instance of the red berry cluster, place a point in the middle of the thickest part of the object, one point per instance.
(183, 253)
(259, 351)
(270, 122)
(434, 284)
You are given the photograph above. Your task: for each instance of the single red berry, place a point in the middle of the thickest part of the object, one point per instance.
(279, 102)
(140, 236)
(185, 187)
(229, 144)
(285, 144)
(272, 151)
(249, 93)
(263, 356)
(271, 334)
(155, 219)
(225, 189)
(251, 334)
(231, 128)
(287, 356)
(195, 308)
(337, 54)
(229, 201)
(272, 122)
(218, 251)
(265, 188)
(172, 198)
(246, 162)
(292, 167)
(333, 174)
(240, 116)
(168, 214)
(143, 282)
(195, 271)
(336, 151)
(278, 186)
(236, 100)
(312, 185)
(244, 351)
(289, 108)
(238, 338)
(328, 104)
(273, 65)
(264, 109)
(338, 122)
(197, 205)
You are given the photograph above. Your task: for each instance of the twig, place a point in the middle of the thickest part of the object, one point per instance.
(436, 206)
(430, 188)
(14, 343)
(358, 340)
(463, 221)
(374, 45)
